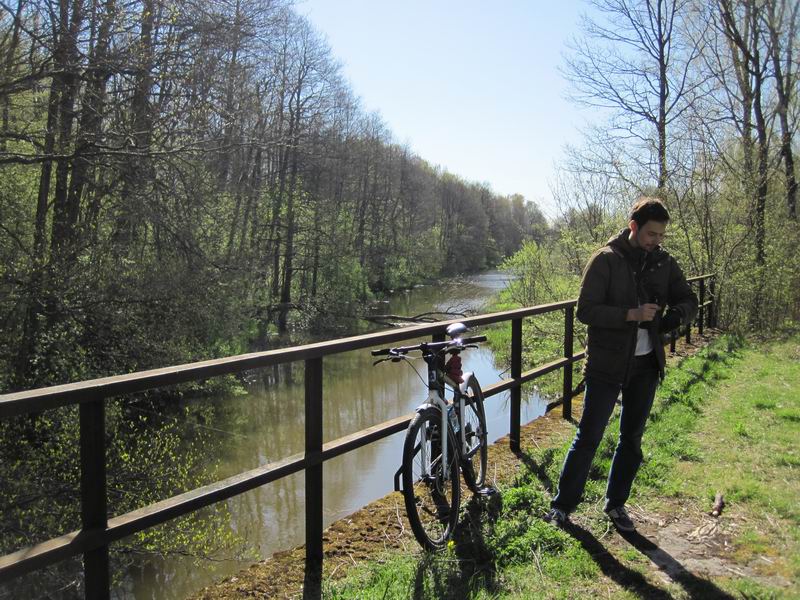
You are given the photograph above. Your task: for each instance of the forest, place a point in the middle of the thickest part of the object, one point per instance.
(203, 164)
(183, 178)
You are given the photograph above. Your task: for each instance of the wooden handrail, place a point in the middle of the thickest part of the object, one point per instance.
(95, 389)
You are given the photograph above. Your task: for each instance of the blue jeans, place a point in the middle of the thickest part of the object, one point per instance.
(598, 404)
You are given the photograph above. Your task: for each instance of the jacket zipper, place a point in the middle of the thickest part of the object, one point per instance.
(635, 333)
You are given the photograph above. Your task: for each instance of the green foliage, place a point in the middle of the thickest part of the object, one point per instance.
(344, 288)
(399, 273)
(539, 276)
(199, 227)
(151, 455)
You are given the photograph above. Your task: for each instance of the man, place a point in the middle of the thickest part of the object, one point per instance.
(626, 286)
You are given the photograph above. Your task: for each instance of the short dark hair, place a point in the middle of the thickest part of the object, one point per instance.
(648, 208)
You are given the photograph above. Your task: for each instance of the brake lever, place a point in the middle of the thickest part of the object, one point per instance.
(454, 349)
(393, 358)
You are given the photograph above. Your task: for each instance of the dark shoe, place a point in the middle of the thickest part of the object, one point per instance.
(622, 521)
(557, 517)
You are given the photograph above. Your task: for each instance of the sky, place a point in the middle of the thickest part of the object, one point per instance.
(472, 86)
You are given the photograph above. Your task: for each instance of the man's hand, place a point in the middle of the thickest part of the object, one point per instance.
(645, 312)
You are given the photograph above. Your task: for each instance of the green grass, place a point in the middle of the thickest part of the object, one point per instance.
(749, 439)
(724, 421)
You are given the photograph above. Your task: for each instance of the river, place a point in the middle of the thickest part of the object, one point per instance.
(267, 424)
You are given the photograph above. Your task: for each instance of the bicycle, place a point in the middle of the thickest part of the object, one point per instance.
(431, 459)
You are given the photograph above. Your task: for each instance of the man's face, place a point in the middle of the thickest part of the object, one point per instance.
(648, 236)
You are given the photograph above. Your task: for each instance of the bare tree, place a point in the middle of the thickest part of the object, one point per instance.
(741, 24)
(780, 18)
(636, 64)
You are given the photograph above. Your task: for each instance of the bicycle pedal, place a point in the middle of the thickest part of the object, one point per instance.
(486, 491)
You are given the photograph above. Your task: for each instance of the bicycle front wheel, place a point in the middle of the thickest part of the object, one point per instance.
(431, 497)
(474, 461)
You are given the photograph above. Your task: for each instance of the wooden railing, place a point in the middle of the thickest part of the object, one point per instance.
(706, 313)
(98, 531)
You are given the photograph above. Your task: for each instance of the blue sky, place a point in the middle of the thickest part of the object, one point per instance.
(472, 86)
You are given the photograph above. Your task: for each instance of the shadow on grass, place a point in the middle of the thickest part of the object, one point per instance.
(612, 568)
(695, 586)
(437, 576)
(721, 354)
(540, 468)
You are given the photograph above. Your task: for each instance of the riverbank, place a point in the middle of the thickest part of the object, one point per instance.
(679, 550)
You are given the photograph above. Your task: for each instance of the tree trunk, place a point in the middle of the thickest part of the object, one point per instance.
(92, 113)
(9, 68)
(663, 93)
(136, 172)
(784, 85)
(36, 291)
(63, 228)
(288, 257)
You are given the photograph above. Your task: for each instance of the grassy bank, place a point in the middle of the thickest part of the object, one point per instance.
(725, 420)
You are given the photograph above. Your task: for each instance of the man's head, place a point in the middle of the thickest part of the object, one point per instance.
(648, 223)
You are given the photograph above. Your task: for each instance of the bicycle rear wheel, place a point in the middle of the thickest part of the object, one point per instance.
(473, 463)
(431, 499)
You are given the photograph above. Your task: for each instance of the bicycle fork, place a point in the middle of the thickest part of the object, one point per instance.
(427, 467)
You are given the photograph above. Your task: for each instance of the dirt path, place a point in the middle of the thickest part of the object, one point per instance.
(679, 545)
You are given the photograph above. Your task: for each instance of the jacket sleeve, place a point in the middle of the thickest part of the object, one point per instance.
(592, 307)
(681, 295)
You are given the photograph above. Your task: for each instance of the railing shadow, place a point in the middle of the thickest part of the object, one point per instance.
(539, 468)
(695, 586)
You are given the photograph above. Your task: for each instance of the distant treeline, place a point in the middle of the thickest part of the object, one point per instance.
(181, 176)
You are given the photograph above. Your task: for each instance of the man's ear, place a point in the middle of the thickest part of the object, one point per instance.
(633, 226)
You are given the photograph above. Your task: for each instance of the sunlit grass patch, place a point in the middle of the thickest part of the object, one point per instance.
(788, 459)
(747, 436)
(747, 588)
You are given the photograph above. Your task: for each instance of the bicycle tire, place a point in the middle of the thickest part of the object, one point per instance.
(431, 501)
(474, 463)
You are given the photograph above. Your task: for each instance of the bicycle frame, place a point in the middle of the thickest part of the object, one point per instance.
(436, 383)
(436, 386)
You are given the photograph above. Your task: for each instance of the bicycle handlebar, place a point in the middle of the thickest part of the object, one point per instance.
(432, 346)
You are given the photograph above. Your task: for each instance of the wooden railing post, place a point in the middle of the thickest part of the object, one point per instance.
(94, 513)
(569, 324)
(712, 311)
(313, 471)
(689, 332)
(701, 313)
(516, 391)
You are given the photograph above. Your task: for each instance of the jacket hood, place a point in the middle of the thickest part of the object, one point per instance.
(621, 243)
